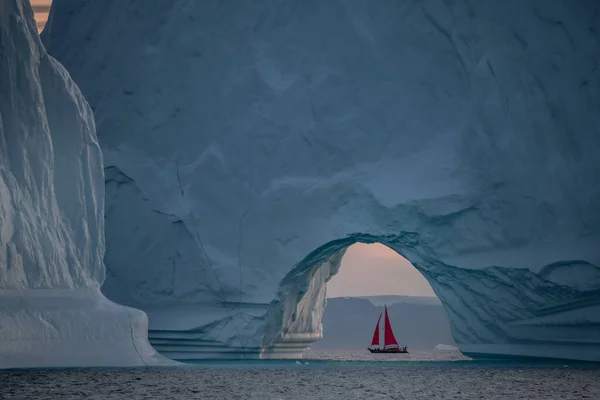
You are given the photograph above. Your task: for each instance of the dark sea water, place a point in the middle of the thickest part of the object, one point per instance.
(339, 375)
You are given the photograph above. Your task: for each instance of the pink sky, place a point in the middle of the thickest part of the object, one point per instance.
(40, 8)
(374, 269)
(366, 269)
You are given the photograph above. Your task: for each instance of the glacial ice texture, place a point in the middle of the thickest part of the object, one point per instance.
(248, 145)
(52, 217)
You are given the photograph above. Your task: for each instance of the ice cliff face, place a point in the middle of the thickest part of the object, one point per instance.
(248, 145)
(51, 216)
(51, 177)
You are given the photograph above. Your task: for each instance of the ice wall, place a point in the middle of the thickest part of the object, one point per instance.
(51, 217)
(247, 144)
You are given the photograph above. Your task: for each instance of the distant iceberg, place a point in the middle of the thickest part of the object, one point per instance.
(446, 347)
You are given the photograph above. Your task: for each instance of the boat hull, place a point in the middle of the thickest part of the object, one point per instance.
(394, 350)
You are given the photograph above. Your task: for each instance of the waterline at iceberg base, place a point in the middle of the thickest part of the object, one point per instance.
(76, 327)
(246, 146)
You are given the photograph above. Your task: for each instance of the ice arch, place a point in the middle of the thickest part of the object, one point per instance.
(492, 311)
(239, 139)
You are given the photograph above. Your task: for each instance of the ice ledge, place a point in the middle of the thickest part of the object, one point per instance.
(72, 328)
(583, 352)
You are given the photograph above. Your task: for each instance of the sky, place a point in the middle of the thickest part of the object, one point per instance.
(366, 270)
(374, 269)
(40, 8)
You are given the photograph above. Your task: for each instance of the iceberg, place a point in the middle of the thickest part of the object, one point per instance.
(247, 145)
(446, 347)
(52, 313)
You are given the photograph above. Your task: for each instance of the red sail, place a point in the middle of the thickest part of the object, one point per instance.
(388, 335)
(375, 341)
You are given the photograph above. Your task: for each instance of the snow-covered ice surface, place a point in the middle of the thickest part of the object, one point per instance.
(248, 145)
(52, 217)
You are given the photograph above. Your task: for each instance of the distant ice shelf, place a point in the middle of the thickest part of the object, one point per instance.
(247, 145)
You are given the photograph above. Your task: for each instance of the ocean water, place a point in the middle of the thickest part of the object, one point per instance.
(364, 355)
(322, 375)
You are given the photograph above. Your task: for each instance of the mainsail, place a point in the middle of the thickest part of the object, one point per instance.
(388, 335)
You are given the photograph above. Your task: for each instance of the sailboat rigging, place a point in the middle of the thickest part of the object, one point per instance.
(390, 344)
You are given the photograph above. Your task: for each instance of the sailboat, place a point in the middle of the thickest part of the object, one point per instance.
(390, 344)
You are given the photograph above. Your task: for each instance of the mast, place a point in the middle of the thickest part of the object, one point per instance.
(375, 341)
(388, 335)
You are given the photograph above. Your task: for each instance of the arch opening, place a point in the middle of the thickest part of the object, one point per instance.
(295, 320)
(375, 270)
(371, 276)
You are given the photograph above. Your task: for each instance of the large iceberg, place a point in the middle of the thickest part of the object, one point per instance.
(248, 144)
(52, 312)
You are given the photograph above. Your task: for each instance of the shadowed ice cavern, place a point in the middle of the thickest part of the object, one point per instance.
(247, 145)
